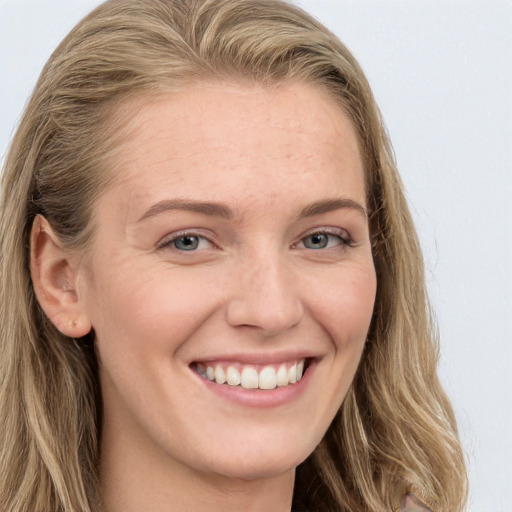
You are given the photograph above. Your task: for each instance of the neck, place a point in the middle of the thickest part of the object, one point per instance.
(134, 477)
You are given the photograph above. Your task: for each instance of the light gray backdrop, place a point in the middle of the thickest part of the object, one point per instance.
(442, 74)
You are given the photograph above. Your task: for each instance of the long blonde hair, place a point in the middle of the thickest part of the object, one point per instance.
(395, 430)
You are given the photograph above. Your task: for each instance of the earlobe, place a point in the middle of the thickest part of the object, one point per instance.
(54, 273)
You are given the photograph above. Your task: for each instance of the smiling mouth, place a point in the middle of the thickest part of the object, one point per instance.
(250, 376)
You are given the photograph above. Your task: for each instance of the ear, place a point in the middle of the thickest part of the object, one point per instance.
(55, 271)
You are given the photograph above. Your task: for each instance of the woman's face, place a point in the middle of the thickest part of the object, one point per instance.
(233, 245)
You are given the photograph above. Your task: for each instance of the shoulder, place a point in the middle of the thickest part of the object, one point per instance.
(410, 503)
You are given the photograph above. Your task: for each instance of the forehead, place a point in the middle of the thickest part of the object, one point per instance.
(238, 140)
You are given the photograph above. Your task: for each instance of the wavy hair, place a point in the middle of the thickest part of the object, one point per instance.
(395, 430)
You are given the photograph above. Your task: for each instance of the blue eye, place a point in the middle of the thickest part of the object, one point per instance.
(318, 241)
(186, 242)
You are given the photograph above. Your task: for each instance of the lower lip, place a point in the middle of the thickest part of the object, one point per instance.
(260, 398)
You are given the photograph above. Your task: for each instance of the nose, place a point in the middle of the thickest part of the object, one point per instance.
(265, 296)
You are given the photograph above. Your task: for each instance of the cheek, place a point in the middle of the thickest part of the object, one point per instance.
(139, 309)
(350, 321)
(347, 307)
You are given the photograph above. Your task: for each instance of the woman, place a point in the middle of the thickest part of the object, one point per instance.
(212, 291)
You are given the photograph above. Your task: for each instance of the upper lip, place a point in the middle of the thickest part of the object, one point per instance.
(260, 358)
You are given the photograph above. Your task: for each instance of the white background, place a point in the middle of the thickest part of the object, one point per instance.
(441, 71)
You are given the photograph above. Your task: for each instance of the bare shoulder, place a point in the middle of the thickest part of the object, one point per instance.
(410, 503)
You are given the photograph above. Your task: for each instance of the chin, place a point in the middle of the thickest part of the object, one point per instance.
(257, 462)
(256, 470)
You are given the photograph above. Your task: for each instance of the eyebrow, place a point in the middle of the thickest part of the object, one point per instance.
(216, 209)
(329, 205)
(206, 208)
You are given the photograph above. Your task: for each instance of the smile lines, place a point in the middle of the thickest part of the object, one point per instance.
(248, 377)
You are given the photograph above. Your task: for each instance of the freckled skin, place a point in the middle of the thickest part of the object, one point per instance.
(251, 287)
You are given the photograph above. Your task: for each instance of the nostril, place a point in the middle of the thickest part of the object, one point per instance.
(264, 315)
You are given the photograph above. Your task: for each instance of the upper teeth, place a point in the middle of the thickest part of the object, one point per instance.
(268, 377)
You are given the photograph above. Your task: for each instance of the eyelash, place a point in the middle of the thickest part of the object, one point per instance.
(170, 242)
(341, 235)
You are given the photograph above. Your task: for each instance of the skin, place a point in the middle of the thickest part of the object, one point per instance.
(253, 288)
